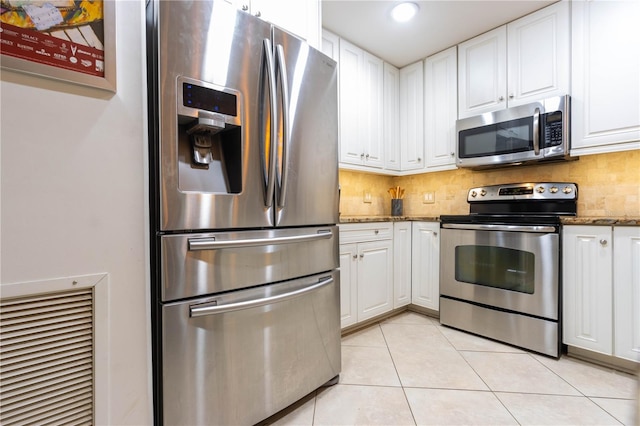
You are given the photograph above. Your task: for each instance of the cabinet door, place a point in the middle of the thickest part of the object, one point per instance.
(371, 121)
(425, 265)
(587, 287)
(441, 109)
(605, 85)
(301, 18)
(375, 278)
(401, 264)
(626, 292)
(391, 117)
(331, 45)
(412, 117)
(351, 63)
(538, 55)
(482, 79)
(348, 284)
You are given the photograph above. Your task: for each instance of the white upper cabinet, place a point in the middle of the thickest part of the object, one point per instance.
(412, 117)
(482, 79)
(301, 18)
(331, 45)
(525, 60)
(360, 107)
(538, 55)
(605, 68)
(441, 109)
(391, 124)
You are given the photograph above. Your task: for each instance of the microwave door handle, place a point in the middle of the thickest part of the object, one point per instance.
(270, 162)
(282, 73)
(536, 131)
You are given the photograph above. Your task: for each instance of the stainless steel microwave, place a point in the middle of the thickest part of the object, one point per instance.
(534, 132)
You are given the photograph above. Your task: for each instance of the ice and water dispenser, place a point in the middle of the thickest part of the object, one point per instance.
(209, 138)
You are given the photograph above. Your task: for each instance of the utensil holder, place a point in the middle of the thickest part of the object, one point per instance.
(396, 207)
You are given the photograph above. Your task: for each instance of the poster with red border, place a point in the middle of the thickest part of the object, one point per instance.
(63, 34)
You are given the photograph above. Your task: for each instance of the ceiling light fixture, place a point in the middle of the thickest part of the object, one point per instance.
(404, 11)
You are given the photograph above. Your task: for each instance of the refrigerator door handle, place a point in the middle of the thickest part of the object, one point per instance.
(212, 308)
(210, 243)
(268, 150)
(282, 73)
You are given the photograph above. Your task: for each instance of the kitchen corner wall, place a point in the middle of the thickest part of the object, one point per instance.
(609, 185)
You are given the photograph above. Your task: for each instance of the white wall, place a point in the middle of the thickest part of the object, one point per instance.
(74, 201)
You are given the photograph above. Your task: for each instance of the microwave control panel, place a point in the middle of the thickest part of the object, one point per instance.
(553, 129)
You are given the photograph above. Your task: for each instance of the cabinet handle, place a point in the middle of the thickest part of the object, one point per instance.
(511, 96)
(361, 255)
(367, 156)
(603, 242)
(435, 234)
(501, 98)
(355, 256)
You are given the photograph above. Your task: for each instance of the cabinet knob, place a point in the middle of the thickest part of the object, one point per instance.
(419, 159)
(511, 96)
(258, 14)
(453, 154)
(245, 7)
(362, 156)
(435, 234)
(603, 242)
(367, 156)
(355, 256)
(501, 98)
(361, 255)
(376, 232)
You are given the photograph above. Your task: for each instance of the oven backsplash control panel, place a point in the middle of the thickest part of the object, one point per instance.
(524, 192)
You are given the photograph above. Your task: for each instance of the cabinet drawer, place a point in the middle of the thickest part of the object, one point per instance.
(358, 232)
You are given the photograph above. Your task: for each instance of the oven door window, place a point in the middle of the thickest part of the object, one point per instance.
(498, 267)
(494, 139)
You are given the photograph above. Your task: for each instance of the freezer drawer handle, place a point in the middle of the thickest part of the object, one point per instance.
(213, 308)
(212, 244)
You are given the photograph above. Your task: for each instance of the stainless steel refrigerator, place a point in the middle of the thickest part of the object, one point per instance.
(244, 205)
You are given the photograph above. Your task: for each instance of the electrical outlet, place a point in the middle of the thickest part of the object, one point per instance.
(429, 197)
(367, 197)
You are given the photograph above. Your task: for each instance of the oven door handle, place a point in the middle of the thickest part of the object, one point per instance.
(212, 308)
(512, 228)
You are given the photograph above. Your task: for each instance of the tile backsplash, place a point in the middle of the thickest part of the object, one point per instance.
(608, 184)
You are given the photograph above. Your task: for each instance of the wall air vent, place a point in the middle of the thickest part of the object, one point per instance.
(47, 358)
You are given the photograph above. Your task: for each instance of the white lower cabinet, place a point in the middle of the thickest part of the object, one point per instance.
(601, 289)
(401, 264)
(366, 271)
(425, 264)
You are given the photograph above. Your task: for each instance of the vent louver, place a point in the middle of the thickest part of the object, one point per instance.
(46, 359)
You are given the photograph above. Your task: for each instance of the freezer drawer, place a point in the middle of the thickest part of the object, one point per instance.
(194, 265)
(243, 356)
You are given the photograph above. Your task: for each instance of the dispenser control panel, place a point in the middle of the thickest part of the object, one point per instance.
(194, 96)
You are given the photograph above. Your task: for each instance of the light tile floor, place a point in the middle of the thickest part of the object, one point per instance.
(409, 370)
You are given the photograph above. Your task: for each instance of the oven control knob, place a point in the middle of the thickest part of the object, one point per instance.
(483, 193)
(474, 194)
(553, 189)
(540, 189)
(567, 190)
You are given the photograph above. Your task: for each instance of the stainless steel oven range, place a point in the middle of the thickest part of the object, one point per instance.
(500, 265)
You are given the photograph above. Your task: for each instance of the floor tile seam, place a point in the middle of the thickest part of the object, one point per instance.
(558, 375)
(607, 411)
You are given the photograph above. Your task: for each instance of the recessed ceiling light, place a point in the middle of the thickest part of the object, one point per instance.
(404, 12)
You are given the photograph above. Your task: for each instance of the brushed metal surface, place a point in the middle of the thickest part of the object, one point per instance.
(544, 302)
(520, 330)
(213, 43)
(195, 273)
(242, 366)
